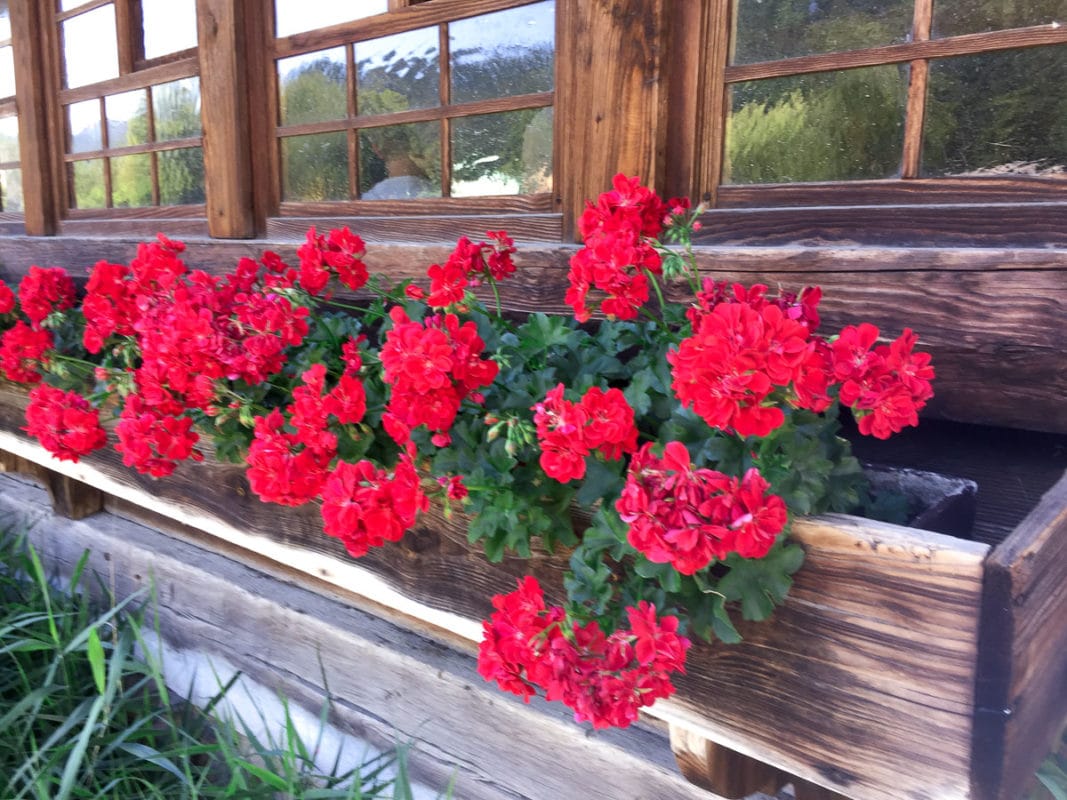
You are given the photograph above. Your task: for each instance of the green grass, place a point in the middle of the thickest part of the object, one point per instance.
(85, 713)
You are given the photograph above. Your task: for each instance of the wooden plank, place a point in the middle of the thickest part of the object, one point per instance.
(35, 139)
(262, 109)
(134, 149)
(70, 499)
(224, 103)
(869, 665)
(988, 225)
(1053, 33)
(621, 129)
(1021, 697)
(382, 681)
(915, 191)
(441, 208)
(522, 227)
(164, 73)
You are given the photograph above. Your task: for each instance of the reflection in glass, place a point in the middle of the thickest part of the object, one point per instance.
(502, 54)
(168, 25)
(88, 184)
(176, 108)
(83, 123)
(395, 73)
(127, 118)
(11, 190)
(496, 154)
(822, 127)
(7, 72)
(294, 16)
(957, 17)
(9, 139)
(5, 20)
(181, 176)
(400, 162)
(313, 87)
(767, 30)
(90, 47)
(131, 181)
(315, 167)
(997, 113)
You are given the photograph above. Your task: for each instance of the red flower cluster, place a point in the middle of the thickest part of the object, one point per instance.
(617, 250)
(432, 368)
(7, 299)
(289, 465)
(689, 517)
(885, 386)
(468, 264)
(738, 354)
(43, 291)
(366, 507)
(64, 423)
(568, 432)
(340, 251)
(605, 679)
(153, 442)
(22, 351)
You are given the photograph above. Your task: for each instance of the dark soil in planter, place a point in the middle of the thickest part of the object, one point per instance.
(1013, 468)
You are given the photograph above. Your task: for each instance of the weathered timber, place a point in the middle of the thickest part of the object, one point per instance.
(870, 664)
(1021, 695)
(383, 682)
(993, 318)
(70, 498)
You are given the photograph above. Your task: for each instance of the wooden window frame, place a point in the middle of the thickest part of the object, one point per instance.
(9, 108)
(401, 17)
(703, 36)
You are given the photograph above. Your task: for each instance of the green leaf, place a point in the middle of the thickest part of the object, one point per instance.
(95, 652)
(603, 480)
(665, 574)
(265, 775)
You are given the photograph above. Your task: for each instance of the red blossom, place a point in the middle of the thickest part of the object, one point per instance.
(153, 442)
(7, 299)
(22, 352)
(64, 423)
(284, 467)
(468, 264)
(43, 291)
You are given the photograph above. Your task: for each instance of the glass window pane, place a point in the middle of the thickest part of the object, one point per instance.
(767, 30)
(9, 138)
(87, 183)
(168, 25)
(823, 127)
(398, 72)
(294, 16)
(127, 118)
(90, 47)
(70, 5)
(315, 167)
(495, 154)
(313, 87)
(131, 181)
(7, 72)
(83, 123)
(181, 176)
(997, 113)
(506, 53)
(176, 108)
(956, 17)
(5, 20)
(11, 190)
(400, 162)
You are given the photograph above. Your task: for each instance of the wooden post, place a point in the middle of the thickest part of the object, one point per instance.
(617, 122)
(28, 19)
(224, 102)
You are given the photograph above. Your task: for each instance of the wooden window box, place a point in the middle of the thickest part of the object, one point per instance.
(905, 663)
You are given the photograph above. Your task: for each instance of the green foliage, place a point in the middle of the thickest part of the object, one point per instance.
(85, 713)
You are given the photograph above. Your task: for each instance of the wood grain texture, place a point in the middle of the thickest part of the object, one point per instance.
(869, 665)
(33, 98)
(1022, 681)
(993, 318)
(385, 683)
(70, 499)
(721, 770)
(150, 76)
(616, 123)
(222, 54)
(897, 53)
(438, 207)
(914, 191)
(521, 227)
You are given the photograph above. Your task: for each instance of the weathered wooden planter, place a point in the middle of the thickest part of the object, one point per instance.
(906, 663)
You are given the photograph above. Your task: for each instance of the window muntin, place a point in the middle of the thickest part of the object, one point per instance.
(403, 95)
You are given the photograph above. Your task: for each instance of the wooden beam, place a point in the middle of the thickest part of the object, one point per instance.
(36, 138)
(223, 53)
(71, 499)
(616, 123)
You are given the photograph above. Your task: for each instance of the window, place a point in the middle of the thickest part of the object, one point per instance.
(10, 167)
(859, 101)
(418, 104)
(130, 103)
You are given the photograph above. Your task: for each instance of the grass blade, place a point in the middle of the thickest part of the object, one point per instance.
(94, 650)
(77, 755)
